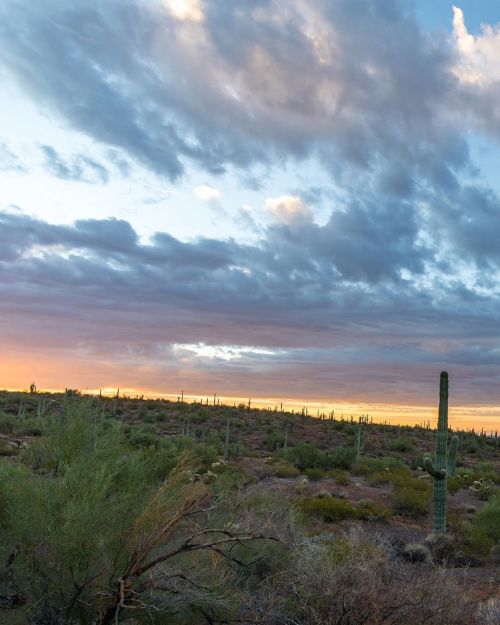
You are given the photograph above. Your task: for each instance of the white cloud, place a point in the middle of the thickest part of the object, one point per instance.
(288, 209)
(478, 56)
(221, 352)
(207, 193)
(185, 10)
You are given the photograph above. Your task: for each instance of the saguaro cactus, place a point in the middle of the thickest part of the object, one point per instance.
(357, 443)
(444, 464)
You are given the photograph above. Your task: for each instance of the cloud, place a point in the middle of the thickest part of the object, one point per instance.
(223, 90)
(78, 168)
(207, 193)
(8, 160)
(477, 69)
(289, 209)
(477, 55)
(95, 292)
(185, 9)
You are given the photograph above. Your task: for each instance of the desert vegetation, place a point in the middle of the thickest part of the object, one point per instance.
(119, 510)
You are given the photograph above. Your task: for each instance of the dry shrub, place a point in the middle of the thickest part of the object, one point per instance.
(489, 612)
(356, 581)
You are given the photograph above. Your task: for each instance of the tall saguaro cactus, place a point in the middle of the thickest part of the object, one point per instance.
(444, 464)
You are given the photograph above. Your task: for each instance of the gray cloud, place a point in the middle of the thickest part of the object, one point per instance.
(8, 160)
(249, 84)
(93, 288)
(78, 168)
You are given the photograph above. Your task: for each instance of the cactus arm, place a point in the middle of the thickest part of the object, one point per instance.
(431, 470)
(452, 455)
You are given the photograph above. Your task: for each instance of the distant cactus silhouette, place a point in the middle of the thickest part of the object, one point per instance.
(444, 464)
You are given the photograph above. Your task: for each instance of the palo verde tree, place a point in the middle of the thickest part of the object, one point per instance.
(93, 529)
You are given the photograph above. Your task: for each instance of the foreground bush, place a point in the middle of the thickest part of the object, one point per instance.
(96, 531)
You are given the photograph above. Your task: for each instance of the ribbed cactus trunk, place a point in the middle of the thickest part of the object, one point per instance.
(357, 443)
(444, 464)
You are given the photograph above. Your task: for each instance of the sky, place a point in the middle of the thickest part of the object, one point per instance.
(292, 201)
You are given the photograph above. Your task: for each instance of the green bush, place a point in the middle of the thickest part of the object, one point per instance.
(488, 519)
(454, 484)
(339, 458)
(308, 456)
(473, 540)
(402, 444)
(38, 456)
(328, 509)
(7, 423)
(31, 427)
(286, 470)
(332, 510)
(90, 530)
(365, 465)
(303, 456)
(315, 474)
(340, 476)
(144, 436)
(396, 475)
(484, 488)
(412, 498)
(369, 510)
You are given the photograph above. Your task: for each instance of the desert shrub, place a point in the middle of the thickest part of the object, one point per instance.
(411, 498)
(488, 612)
(315, 473)
(472, 540)
(488, 519)
(308, 456)
(369, 510)
(144, 436)
(331, 509)
(38, 456)
(196, 418)
(471, 447)
(286, 470)
(7, 423)
(487, 471)
(417, 462)
(402, 444)
(339, 458)
(354, 581)
(396, 475)
(303, 456)
(328, 509)
(153, 417)
(484, 488)
(275, 440)
(365, 465)
(237, 450)
(340, 476)
(454, 484)
(466, 475)
(31, 427)
(416, 552)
